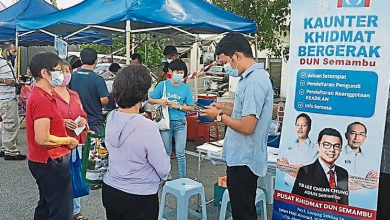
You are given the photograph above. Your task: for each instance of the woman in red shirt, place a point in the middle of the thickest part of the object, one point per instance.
(47, 140)
(69, 105)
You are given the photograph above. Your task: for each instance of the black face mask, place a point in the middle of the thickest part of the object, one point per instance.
(13, 59)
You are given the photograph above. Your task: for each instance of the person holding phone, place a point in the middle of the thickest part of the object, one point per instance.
(179, 101)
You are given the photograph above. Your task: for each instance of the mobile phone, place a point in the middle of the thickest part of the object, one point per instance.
(199, 107)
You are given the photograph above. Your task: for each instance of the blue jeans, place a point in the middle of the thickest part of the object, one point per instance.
(179, 132)
(76, 206)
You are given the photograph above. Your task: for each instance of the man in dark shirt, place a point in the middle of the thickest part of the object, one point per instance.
(91, 88)
(170, 53)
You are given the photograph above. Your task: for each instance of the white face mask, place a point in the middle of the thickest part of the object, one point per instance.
(169, 60)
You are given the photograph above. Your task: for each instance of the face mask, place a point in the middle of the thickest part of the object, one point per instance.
(169, 60)
(177, 77)
(57, 78)
(67, 77)
(229, 69)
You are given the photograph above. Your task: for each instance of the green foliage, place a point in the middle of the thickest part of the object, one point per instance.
(272, 18)
(153, 49)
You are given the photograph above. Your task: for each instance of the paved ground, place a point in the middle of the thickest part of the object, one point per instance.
(19, 193)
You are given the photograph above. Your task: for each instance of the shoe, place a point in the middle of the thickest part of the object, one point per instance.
(2, 153)
(79, 216)
(16, 157)
(95, 186)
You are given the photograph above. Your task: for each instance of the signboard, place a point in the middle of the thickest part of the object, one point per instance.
(331, 144)
(62, 47)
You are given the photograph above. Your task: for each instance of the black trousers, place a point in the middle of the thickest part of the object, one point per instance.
(55, 189)
(120, 205)
(242, 184)
(384, 197)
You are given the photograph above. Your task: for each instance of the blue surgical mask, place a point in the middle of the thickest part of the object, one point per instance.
(177, 77)
(57, 78)
(229, 69)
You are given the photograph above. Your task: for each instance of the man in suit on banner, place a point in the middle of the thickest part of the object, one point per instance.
(323, 180)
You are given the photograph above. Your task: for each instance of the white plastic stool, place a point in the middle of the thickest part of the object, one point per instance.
(183, 189)
(268, 184)
(260, 197)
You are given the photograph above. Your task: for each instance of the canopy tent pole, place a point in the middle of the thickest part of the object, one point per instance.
(128, 35)
(27, 33)
(47, 32)
(16, 67)
(256, 47)
(74, 33)
(109, 28)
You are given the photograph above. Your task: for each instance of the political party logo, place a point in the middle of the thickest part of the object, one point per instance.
(353, 3)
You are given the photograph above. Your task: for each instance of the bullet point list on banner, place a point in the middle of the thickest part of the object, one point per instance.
(336, 92)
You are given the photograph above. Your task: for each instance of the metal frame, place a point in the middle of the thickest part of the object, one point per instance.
(128, 32)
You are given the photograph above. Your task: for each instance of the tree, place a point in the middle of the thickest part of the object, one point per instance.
(272, 18)
(153, 49)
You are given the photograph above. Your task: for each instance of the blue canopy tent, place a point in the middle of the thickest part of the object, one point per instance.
(20, 10)
(191, 17)
(25, 9)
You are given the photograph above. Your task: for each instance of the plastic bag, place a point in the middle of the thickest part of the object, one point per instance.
(80, 188)
(95, 159)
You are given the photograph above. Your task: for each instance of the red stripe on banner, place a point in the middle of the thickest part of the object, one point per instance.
(340, 3)
(339, 209)
(367, 3)
(195, 74)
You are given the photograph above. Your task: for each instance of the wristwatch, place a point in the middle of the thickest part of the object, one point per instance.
(219, 117)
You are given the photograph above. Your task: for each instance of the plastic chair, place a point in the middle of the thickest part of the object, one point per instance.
(260, 197)
(183, 189)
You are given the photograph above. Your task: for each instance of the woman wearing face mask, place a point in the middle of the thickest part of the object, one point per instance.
(69, 105)
(180, 101)
(48, 143)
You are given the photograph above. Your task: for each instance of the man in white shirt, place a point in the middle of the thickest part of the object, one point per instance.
(355, 159)
(9, 105)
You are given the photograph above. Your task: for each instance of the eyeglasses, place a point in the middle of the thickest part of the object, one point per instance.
(358, 134)
(328, 145)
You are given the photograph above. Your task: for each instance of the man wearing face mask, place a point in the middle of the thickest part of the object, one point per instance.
(180, 101)
(9, 105)
(245, 145)
(170, 53)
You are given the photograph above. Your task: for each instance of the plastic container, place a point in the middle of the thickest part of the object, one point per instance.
(206, 100)
(273, 141)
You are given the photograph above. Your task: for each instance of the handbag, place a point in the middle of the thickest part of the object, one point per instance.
(79, 186)
(161, 115)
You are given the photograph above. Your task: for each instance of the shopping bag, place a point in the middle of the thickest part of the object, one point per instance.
(80, 188)
(161, 115)
(95, 159)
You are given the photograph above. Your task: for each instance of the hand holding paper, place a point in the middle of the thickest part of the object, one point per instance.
(78, 129)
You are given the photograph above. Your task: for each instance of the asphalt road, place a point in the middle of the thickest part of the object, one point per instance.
(19, 192)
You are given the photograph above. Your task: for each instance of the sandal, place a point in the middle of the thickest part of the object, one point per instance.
(79, 216)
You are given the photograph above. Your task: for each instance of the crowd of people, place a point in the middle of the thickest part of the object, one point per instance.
(71, 95)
